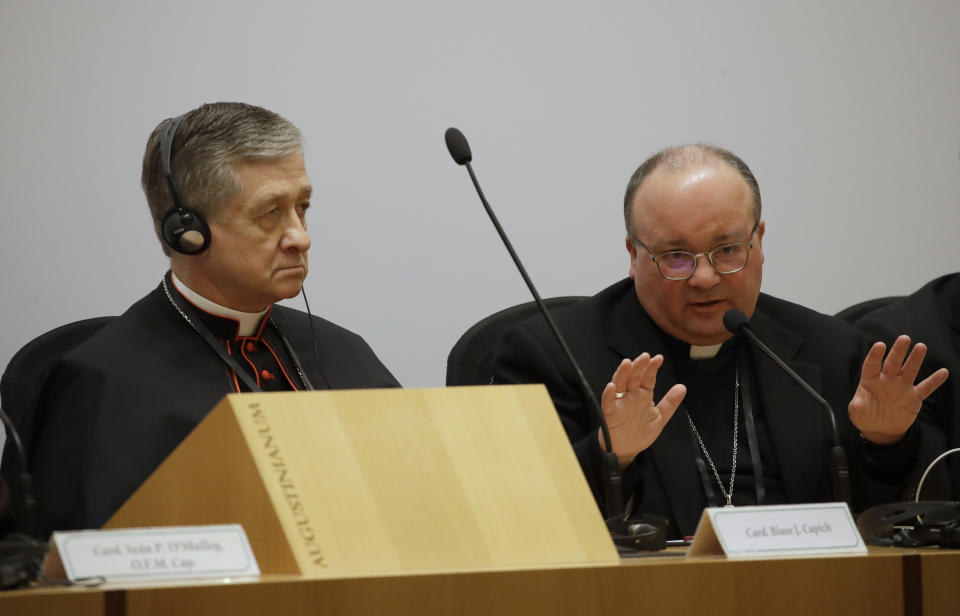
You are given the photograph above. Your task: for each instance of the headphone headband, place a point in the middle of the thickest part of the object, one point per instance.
(166, 141)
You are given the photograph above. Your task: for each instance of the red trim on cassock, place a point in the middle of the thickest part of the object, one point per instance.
(266, 343)
(243, 353)
(236, 381)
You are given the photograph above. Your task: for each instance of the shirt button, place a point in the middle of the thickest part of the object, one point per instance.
(251, 347)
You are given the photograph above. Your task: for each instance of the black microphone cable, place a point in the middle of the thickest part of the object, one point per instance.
(313, 336)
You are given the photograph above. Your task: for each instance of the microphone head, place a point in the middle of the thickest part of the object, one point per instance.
(734, 320)
(458, 146)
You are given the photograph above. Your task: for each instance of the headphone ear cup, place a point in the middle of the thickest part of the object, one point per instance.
(186, 231)
(950, 534)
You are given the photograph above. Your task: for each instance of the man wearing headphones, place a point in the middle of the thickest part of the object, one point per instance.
(229, 196)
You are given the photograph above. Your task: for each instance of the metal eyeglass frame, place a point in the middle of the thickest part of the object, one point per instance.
(696, 256)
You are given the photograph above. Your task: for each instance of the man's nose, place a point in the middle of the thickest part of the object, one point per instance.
(704, 274)
(296, 236)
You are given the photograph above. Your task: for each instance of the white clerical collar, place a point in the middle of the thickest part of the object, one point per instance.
(704, 352)
(248, 322)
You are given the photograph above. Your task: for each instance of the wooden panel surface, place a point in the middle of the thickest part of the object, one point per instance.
(59, 601)
(424, 480)
(363, 482)
(659, 584)
(940, 582)
(211, 479)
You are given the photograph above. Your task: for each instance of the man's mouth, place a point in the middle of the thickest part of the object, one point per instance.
(287, 268)
(706, 305)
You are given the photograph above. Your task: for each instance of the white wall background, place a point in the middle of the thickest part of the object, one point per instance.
(848, 112)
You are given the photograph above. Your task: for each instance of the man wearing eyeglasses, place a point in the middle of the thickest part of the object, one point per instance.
(655, 344)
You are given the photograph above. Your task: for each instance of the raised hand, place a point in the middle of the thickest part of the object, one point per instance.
(887, 401)
(634, 420)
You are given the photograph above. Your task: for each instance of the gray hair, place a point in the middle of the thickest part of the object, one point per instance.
(209, 141)
(682, 157)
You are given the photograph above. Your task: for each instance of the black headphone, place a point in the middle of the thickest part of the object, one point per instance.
(912, 524)
(184, 229)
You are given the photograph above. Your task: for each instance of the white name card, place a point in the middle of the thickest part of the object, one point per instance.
(156, 553)
(777, 530)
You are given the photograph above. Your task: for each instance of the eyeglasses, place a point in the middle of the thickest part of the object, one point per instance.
(681, 265)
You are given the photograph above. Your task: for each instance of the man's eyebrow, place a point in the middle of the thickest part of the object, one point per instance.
(273, 197)
(728, 236)
(718, 239)
(674, 243)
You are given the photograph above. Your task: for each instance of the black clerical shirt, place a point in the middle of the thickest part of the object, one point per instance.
(709, 402)
(793, 433)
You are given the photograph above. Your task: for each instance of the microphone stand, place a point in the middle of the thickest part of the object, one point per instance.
(646, 534)
(735, 321)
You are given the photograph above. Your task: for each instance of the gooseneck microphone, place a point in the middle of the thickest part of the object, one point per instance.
(737, 322)
(631, 533)
(460, 151)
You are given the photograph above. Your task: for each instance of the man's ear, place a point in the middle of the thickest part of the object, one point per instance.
(632, 249)
(761, 227)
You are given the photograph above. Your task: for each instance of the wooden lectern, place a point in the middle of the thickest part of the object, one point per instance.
(368, 482)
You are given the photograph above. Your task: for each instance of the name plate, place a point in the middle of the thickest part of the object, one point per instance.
(156, 553)
(777, 530)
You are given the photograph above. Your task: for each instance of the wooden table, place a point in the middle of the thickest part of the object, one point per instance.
(887, 581)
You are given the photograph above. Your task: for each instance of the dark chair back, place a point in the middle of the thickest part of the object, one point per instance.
(469, 362)
(26, 375)
(852, 314)
(21, 390)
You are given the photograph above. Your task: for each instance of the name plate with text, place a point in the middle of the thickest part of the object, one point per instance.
(156, 553)
(777, 530)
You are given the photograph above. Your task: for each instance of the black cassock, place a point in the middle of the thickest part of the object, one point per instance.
(117, 405)
(793, 434)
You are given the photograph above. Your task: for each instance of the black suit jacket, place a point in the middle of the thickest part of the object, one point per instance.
(612, 325)
(932, 316)
(118, 404)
